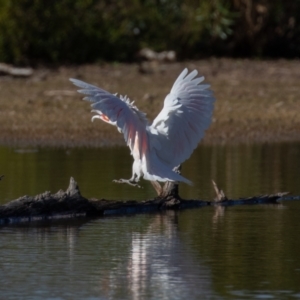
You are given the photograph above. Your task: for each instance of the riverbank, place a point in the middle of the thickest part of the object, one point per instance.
(257, 101)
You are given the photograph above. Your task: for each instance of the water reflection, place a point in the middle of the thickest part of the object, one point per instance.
(138, 257)
(242, 252)
(242, 170)
(218, 215)
(252, 251)
(159, 266)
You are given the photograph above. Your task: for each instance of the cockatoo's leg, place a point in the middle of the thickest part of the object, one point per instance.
(128, 181)
(133, 181)
(136, 175)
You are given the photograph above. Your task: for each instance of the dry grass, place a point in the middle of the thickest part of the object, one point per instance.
(257, 101)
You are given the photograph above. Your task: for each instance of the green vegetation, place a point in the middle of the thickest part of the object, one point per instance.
(79, 31)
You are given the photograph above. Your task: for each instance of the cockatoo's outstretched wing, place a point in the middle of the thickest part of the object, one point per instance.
(119, 112)
(181, 124)
(172, 137)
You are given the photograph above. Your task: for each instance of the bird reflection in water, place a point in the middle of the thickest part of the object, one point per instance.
(161, 264)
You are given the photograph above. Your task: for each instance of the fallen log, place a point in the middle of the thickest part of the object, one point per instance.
(71, 204)
(6, 69)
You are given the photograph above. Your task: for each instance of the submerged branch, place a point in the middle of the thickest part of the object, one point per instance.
(71, 204)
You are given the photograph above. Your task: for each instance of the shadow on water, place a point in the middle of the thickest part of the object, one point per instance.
(244, 170)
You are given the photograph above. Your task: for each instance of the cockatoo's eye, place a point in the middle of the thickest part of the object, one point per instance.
(105, 118)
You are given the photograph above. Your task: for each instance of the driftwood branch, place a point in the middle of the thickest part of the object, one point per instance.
(220, 195)
(71, 204)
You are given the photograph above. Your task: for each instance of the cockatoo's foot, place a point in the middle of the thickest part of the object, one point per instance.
(128, 181)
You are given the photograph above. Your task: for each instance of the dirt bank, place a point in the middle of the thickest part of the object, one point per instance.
(257, 101)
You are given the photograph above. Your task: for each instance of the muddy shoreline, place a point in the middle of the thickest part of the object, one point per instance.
(257, 102)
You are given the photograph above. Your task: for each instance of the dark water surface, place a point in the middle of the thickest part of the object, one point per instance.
(246, 252)
(240, 170)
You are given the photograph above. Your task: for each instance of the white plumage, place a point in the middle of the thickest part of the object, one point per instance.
(173, 135)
